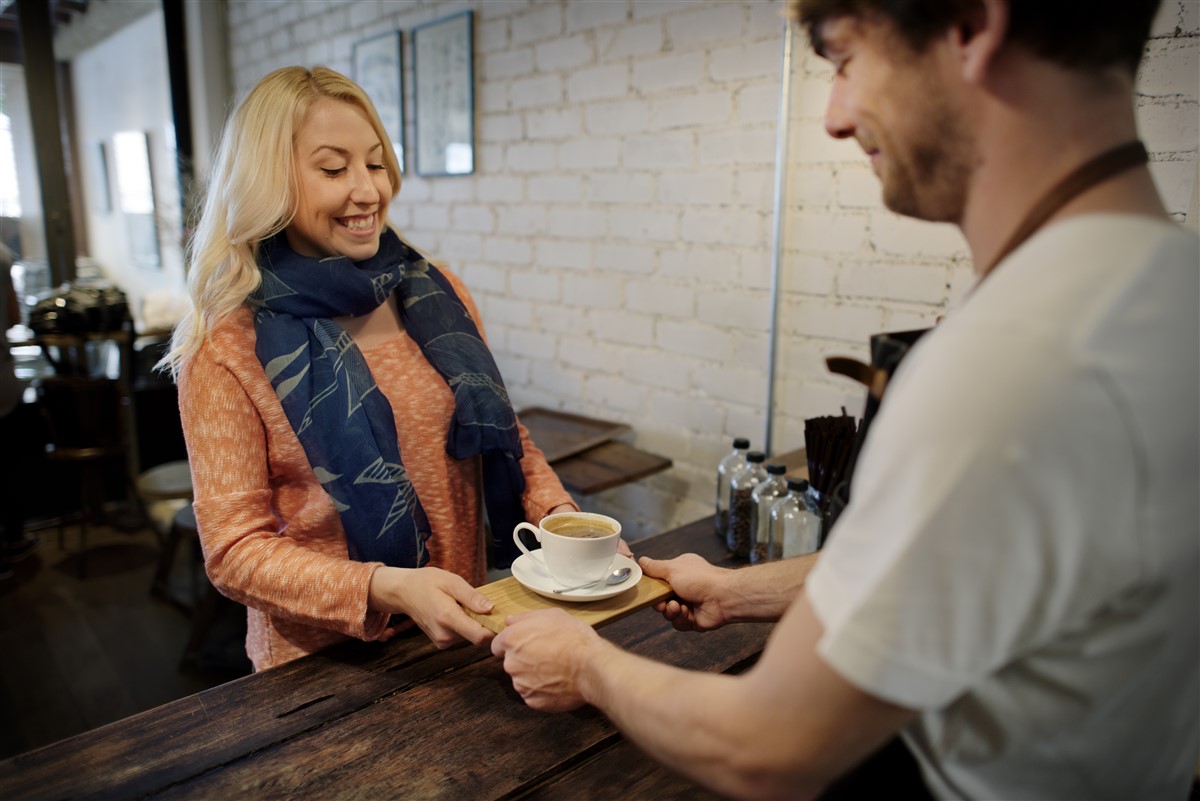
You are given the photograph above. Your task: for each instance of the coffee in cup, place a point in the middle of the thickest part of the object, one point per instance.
(577, 547)
(576, 525)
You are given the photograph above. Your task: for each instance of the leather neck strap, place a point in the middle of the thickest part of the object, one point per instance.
(1106, 165)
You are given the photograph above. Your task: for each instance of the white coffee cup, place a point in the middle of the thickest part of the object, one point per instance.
(577, 547)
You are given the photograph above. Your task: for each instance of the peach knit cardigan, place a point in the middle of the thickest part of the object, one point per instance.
(271, 537)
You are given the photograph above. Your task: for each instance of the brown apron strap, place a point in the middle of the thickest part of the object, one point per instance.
(1106, 165)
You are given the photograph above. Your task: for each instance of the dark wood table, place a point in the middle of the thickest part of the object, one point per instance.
(386, 720)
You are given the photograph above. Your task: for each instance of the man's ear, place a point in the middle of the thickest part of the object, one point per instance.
(978, 37)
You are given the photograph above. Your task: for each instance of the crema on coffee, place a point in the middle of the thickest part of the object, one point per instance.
(581, 527)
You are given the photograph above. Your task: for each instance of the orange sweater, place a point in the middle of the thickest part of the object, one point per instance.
(272, 539)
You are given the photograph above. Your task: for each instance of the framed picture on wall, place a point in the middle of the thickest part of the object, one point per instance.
(444, 100)
(135, 196)
(378, 69)
(101, 189)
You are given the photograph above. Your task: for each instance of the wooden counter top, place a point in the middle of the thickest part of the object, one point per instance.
(386, 720)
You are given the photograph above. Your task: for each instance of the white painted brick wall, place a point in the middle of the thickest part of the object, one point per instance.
(508, 63)
(556, 188)
(609, 188)
(596, 291)
(570, 255)
(694, 338)
(524, 220)
(536, 91)
(660, 298)
(552, 124)
(590, 16)
(629, 40)
(646, 224)
(597, 83)
(622, 327)
(691, 111)
(590, 154)
(533, 24)
(621, 117)
(617, 231)
(624, 258)
(563, 54)
(674, 71)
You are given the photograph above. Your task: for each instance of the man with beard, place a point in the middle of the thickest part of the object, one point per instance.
(1007, 608)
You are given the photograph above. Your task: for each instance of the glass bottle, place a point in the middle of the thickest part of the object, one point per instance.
(763, 497)
(795, 526)
(739, 535)
(732, 463)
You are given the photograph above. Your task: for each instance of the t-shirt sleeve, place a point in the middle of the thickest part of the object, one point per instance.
(971, 536)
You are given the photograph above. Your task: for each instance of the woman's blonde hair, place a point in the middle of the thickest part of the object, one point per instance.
(252, 195)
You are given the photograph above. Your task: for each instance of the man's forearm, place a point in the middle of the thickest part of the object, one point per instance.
(785, 728)
(764, 592)
(706, 726)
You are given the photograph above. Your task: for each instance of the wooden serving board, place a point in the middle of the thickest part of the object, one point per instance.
(511, 598)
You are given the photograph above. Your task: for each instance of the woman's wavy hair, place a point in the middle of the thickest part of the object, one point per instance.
(1092, 35)
(252, 195)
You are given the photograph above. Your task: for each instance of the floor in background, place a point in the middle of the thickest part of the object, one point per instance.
(79, 652)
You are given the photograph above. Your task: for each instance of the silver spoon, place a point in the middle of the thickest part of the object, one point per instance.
(615, 577)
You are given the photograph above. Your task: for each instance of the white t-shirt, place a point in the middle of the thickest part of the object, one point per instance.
(1021, 556)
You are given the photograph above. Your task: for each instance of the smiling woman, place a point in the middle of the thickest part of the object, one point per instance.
(345, 420)
(343, 187)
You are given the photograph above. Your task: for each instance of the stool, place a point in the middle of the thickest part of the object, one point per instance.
(171, 481)
(183, 526)
(207, 604)
(85, 420)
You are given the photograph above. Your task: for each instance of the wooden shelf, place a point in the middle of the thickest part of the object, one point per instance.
(584, 452)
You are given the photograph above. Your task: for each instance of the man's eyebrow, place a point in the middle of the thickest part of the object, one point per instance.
(829, 36)
(825, 46)
(818, 43)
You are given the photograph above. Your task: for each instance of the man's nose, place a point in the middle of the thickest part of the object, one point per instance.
(838, 123)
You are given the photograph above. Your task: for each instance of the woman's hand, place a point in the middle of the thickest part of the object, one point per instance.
(434, 599)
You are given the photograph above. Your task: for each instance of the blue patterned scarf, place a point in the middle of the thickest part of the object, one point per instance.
(345, 423)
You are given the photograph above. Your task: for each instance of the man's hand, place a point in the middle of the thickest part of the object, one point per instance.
(697, 585)
(434, 599)
(546, 653)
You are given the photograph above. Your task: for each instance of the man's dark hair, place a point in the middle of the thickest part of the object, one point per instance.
(1094, 34)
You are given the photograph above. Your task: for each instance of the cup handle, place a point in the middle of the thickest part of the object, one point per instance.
(517, 536)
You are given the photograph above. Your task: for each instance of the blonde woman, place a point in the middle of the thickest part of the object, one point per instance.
(345, 421)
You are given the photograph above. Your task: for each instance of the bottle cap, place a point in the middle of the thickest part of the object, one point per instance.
(797, 484)
(741, 443)
(776, 469)
(756, 457)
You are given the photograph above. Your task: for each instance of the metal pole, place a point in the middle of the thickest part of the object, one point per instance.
(37, 47)
(781, 156)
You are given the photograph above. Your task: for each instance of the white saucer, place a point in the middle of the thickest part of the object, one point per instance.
(530, 570)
